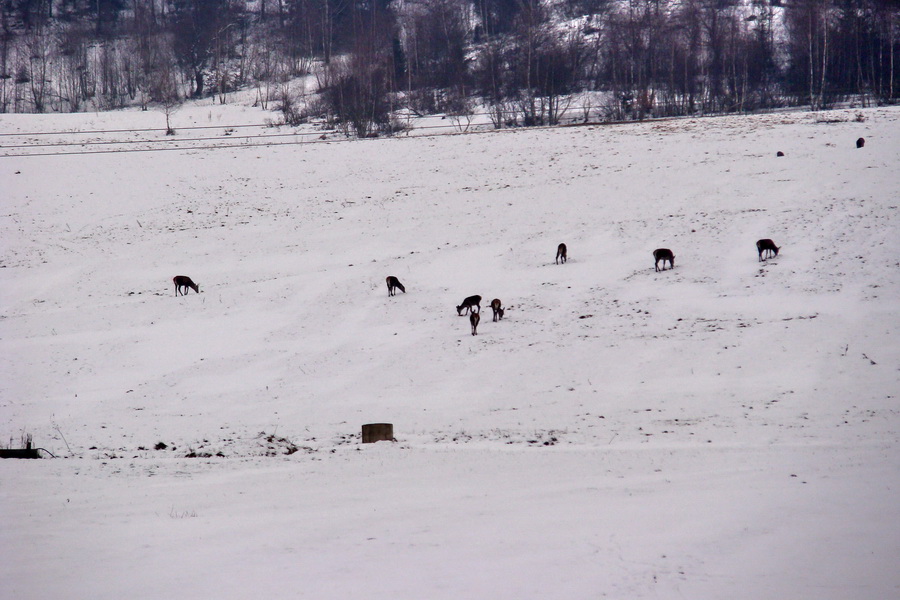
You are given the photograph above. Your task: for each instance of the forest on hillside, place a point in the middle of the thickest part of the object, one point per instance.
(524, 61)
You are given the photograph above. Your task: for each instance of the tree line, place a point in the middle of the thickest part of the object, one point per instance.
(526, 62)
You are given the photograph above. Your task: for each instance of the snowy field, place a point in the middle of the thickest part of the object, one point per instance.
(728, 428)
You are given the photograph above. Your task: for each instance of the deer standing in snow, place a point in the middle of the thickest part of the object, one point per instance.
(497, 308)
(183, 284)
(474, 318)
(561, 253)
(394, 283)
(766, 246)
(663, 254)
(469, 304)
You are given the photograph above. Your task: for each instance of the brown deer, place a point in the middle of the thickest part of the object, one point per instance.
(860, 142)
(561, 253)
(474, 318)
(469, 304)
(394, 283)
(497, 308)
(766, 246)
(663, 254)
(183, 284)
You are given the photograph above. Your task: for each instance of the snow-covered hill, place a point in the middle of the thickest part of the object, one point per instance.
(727, 428)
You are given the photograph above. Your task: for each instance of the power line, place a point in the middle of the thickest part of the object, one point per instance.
(317, 139)
(270, 144)
(152, 141)
(163, 129)
(201, 127)
(132, 150)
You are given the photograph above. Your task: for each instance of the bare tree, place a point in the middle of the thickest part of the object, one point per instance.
(38, 46)
(360, 83)
(201, 31)
(165, 94)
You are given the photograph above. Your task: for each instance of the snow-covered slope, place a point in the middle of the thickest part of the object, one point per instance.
(727, 428)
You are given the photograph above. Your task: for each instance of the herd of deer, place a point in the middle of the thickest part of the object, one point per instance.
(766, 249)
(183, 283)
(469, 304)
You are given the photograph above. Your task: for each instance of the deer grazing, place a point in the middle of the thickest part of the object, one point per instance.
(497, 308)
(561, 253)
(183, 284)
(469, 304)
(663, 254)
(474, 318)
(394, 284)
(766, 246)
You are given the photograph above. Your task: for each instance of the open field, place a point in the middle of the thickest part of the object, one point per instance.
(726, 428)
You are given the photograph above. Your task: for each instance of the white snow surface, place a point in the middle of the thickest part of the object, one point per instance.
(724, 429)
